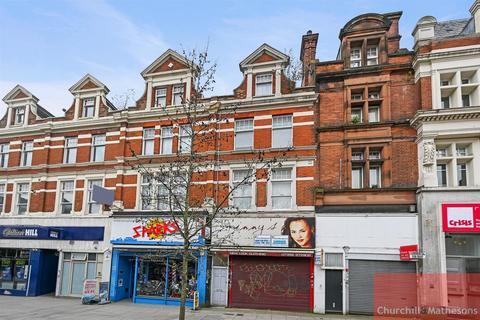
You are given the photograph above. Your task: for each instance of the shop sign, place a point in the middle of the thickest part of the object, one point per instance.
(464, 217)
(292, 232)
(145, 231)
(90, 287)
(406, 252)
(271, 254)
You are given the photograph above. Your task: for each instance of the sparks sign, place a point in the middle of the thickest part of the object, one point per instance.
(461, 217)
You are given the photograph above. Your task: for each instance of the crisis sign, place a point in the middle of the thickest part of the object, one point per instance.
(461, 217)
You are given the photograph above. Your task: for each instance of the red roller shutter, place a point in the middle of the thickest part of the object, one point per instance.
(275, 283)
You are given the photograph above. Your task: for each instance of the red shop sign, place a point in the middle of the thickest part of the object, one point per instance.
(461, 217)
(406, 250)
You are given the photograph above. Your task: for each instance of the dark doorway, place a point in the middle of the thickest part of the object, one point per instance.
(333, 291)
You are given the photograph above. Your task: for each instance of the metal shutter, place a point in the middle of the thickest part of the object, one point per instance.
(361, 277)
(275, 283)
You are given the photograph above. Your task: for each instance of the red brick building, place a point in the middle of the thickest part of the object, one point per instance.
(50, 166)
(367, 157)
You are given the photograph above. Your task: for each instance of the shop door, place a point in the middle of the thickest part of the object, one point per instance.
(276, 283)
(219, 286)
(361, 283)
(333, 291)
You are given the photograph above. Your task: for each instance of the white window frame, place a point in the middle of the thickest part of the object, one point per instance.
(17, 197)
(148, 141)
(280, 127)
(236, 181)
(356, 97)
(447, 99)
(446, 174)
(166, 136)
(265, 82)
(372, 57)
(466, 174)
(378, 169)
(247, 131)
(177, 95)
(360, 184)
(4, 153)
(98, 148)
(3, 195)
(160, 97)
(27, 154)
(156, 189)
(377, 114)
(88, 196)
(184, 138)
(88, 108)
(61, 191)
(20, 120)
(357, 155)
(353, 113)
(70, 150)
(355, 62)
(292, 181)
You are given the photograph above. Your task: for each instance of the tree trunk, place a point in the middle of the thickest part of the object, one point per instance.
(183, 297)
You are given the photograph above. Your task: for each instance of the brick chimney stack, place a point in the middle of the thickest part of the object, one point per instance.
(307, 56)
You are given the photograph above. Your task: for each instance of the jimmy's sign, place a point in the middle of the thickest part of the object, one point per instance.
(461, 217)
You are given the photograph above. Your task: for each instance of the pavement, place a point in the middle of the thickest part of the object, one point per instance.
(50, 308)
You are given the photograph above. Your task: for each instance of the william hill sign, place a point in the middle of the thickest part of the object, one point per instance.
(28, 232)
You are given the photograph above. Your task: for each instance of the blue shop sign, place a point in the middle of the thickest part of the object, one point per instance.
(51, 233)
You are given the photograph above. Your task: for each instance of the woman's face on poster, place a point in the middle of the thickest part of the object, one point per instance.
(301, 233)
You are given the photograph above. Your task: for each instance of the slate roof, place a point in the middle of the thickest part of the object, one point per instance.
(452, 28)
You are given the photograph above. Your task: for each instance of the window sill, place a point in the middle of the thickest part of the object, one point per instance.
(264, 96)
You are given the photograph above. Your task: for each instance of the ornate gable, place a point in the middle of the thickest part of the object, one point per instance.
(18, 93)
(263, 55)
(88, 83)
(169, 61)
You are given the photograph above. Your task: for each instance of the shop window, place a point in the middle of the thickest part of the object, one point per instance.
(263, 85)
(23, 193)
(148, 141)
(76, 268)
(27, 153)
(98, 147)
(167, 140)
(14, 269)
(70, 154)
(4, 149)
(3, 189)
(185, 139)
(243, 134)
(242, 194)
(67, 189)
(177, 95)
(467, 245)
(93, 207)
(161, 97)
(282, 131)
(161, 278)
(19, 115)
(282, 188)
(88, 107)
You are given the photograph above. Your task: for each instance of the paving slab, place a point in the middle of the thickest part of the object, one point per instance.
(53, 308)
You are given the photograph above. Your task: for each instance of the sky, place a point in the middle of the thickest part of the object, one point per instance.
(47, 46)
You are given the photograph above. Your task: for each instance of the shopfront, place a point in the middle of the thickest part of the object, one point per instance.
(147, 262)
(30, 255)
(264, 263)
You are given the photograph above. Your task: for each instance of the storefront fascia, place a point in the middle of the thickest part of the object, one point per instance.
(141, 245)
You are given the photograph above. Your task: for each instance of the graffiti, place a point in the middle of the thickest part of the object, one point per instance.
(155, 229)
(275, 280)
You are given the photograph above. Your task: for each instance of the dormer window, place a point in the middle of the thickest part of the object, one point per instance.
(356, 57)
(263, 85)
(372, 55)
(88, 107)
(177, 95)
(20, 115)
(161, 97)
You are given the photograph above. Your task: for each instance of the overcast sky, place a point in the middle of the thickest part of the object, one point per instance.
(48, 45)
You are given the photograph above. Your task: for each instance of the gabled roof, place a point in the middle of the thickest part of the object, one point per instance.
(264, 49)
(19, 92)
(164, 57)
(90, 82)
(451, 28)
